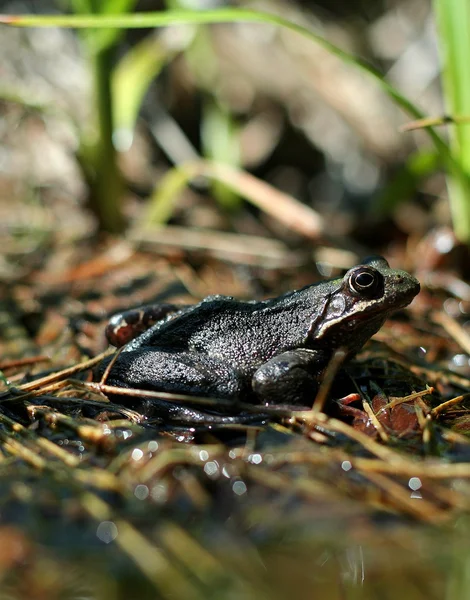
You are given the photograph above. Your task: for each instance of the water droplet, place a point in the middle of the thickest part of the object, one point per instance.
(107, 531)
(239, 488)
(141, 491)
(415, 483)
(203, 455)
(211, 468)
(137, 454)
(152, 446)
(159, 492)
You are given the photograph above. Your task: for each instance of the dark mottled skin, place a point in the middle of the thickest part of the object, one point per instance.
(269, 351)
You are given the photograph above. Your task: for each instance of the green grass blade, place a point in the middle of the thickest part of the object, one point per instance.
(453, 19)
(97, 153)
(113, 7)
(221, 143)
(81, 6)
(459, 187)
(98, 39)
(220, 139)
(166, 194)
(130, 80)
(454, 27)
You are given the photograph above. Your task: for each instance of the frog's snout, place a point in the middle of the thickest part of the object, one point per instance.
(408, 286)
(414, 286)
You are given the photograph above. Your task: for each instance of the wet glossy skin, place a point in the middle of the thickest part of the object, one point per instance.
(269, 351)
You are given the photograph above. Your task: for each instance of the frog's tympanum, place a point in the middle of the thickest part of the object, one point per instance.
(269, 351)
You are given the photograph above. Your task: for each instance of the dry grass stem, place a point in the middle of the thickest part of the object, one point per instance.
(376, 423)
(444, 406)
(328, 377)
(453, 328)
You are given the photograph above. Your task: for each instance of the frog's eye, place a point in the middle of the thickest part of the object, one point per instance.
(367, 282)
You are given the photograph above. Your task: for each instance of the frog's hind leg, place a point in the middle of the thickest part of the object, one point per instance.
(126, 326)
(181, 373)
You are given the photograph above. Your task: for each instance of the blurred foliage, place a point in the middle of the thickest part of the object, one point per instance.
(120, 87)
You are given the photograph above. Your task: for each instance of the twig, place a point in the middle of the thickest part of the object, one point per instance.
(330, 373)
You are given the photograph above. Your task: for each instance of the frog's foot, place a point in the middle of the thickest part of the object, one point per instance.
(160, 411)
(346, 410)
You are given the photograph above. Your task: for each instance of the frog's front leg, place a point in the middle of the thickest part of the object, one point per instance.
(290, 377)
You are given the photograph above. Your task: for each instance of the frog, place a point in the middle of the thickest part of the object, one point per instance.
(268, 352)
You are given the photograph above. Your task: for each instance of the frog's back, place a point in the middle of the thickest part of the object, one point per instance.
(244, 333)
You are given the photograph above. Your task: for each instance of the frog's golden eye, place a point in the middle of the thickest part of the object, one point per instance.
(366, 281)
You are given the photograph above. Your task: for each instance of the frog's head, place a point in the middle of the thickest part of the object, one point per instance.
(357, 305)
